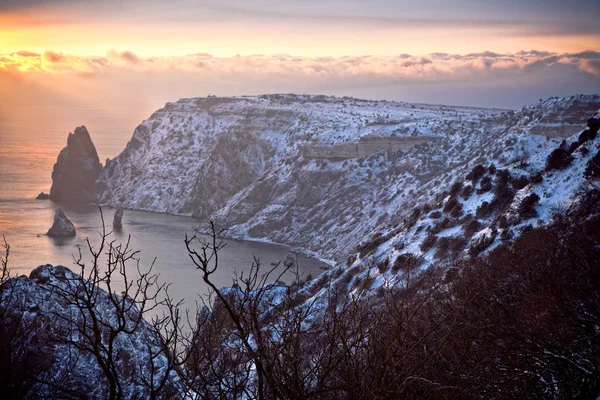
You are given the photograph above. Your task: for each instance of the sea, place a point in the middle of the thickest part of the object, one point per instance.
(30, 141)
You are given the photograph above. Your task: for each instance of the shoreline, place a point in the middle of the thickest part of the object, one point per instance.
(292, 249)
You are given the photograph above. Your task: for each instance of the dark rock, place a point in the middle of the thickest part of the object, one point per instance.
(289, 261)
(61, 227)
(77, 175)
(117, 224)
(43, 196)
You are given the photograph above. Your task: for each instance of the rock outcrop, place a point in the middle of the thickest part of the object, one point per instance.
(62, 226)
(77, 175)
(364, 147)
(43, 196)
(117, 219)
(41, 345)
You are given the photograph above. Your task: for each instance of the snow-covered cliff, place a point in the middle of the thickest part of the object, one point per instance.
(281, 167)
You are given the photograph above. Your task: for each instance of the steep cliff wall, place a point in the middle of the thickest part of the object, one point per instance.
(556, 130)
(364, 148)
(312, 171)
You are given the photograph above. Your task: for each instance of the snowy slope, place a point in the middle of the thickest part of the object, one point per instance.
(240, 161)
(469, 218)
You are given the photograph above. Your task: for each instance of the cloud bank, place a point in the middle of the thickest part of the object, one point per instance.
(437, 77)
(404, 68)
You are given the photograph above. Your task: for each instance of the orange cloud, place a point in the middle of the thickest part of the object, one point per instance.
(433, 67)
(111, 78)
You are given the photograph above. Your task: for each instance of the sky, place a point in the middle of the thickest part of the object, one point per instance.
(139, 55)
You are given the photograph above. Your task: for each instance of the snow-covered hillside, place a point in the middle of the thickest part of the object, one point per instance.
(468, 213)
(281, 167)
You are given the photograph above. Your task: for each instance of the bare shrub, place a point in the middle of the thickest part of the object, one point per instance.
(428, 242)
(558, 159)
(527, 206)
(476, 173)
(467, 191)
(485, 185)
(456, 188)
(435, 215)
(449, 247)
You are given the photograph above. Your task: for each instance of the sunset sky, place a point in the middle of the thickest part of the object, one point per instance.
(302, 28)
(141, 54)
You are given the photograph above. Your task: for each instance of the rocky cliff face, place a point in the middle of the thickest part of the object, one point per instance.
(77, 175)
(240, 161)
(234, 163)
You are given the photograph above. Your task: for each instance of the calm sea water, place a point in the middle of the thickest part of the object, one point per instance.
(29, 146)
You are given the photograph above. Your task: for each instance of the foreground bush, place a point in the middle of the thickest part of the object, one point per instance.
(518, 323)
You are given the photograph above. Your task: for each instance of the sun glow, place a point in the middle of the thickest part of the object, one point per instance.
(168, 51)
(79, 31)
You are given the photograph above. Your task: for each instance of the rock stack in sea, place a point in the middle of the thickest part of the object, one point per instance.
(62, 226)
(77, 177)
(117, 219)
